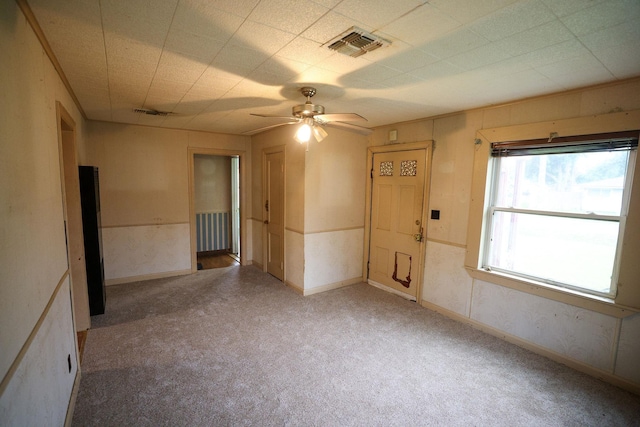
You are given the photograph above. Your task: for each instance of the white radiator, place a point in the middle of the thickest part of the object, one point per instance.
(212, 231)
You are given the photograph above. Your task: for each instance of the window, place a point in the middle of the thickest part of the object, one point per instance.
(557, 210)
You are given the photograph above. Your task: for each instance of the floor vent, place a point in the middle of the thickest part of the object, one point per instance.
(356, 42)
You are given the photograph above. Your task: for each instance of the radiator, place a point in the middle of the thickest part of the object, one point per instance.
(212, 231)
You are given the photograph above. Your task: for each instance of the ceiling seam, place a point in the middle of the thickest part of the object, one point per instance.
(144, 103)
(106, 59)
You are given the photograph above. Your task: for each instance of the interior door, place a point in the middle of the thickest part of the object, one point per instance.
(398, 180)
(274, 213)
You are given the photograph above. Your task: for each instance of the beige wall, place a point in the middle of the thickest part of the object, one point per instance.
(595, 345)
(324, 212)
(212, 183)
(37, 333)
(144, 191)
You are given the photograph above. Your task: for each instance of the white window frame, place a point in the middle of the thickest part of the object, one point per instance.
(627, 300)
(619, 219)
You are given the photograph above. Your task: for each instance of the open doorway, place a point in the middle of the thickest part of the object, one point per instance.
(216, 210)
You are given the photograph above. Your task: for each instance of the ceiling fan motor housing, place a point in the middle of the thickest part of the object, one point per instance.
(307, 110)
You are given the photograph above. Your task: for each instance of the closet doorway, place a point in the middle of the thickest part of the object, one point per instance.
(216, 232)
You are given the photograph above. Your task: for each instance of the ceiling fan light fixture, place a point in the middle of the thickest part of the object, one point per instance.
(303, 134)
(319, 133)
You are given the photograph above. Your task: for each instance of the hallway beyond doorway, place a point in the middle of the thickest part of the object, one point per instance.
(215, 259)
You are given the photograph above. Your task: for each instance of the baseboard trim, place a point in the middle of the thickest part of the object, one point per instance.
(332, 286)
(535, 348)
(295, 287)
(72, 400)
(256, 264)
(391, 290)
(131, 279)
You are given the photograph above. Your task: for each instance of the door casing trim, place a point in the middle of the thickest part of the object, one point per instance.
(241, 154)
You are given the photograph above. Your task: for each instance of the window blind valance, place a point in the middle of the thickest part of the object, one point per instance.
(627, 140)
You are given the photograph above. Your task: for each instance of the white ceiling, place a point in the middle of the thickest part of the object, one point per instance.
(212, 62)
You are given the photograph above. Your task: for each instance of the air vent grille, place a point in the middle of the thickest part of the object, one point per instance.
(356, 42)
(151, 112)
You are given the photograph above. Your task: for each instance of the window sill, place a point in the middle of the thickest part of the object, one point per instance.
(590, 302)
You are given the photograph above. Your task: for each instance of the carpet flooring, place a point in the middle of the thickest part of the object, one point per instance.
(235, 347)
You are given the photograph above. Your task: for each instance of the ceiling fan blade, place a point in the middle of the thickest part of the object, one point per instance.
(359, 129)
(274, 117)
(252, 132)
(340, 117)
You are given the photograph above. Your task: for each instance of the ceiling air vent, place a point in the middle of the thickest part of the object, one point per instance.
(151, 112)
(355, 42)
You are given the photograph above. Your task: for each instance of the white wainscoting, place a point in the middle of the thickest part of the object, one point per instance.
(574, 332)
(294, 259)
(446, 281)
(332, 257)
(627, 362)
(39, 390)
(139, 252)
(589, 338)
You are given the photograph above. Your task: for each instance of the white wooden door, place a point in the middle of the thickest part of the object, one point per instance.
(398, 180)
(274, 213)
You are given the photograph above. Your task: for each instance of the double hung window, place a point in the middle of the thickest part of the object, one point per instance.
(557, 210)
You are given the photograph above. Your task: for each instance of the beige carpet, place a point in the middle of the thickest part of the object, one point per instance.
(234, 346)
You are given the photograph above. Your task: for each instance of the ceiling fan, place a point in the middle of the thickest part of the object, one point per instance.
(313, 119)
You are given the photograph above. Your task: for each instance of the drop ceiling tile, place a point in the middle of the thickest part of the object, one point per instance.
(465, 11)
(179, 68)
(400, 81)
(536, 38)
(454, 43)
(330, 26)
(241, 8)
(193, 45)
(376, 13)
(551, 54)
(409, 60)
(438, 70)
(512, 19)
(425, 24)
(564, 72)
(480, 57)
(568, 7)
(305, 50)
(239, 60)
(327, 3)
(602, 15)
(374, 73)
(168, 89)
(627, 33)
(623, 61)
(261, 37)
(276, 71)
(317, 75)
(342, 64)
(207, 19)
(219, 78)
(130, 49)
(286, 15)
(141, 20)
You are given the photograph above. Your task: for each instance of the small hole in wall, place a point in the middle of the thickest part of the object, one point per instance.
(69, 362)
(435, 214)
